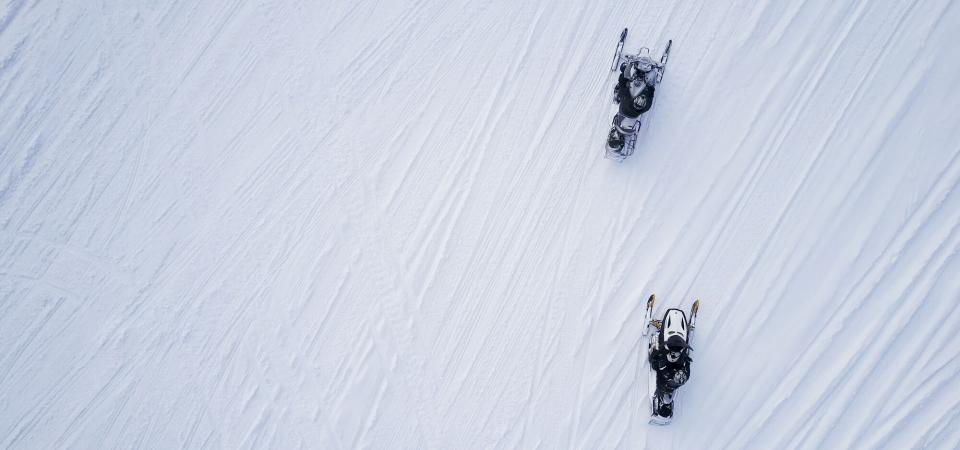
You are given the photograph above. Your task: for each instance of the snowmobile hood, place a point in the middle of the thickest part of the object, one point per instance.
(674, 324)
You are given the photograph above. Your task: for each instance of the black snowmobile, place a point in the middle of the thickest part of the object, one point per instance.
(634, 93)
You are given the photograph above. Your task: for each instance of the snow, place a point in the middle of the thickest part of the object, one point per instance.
(264, 224)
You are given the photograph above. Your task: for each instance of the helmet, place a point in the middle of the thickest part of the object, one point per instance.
(676, 344)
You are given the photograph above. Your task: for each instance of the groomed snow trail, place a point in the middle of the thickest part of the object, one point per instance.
(264, 224)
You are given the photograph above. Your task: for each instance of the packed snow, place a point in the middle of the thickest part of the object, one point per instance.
(390, 224)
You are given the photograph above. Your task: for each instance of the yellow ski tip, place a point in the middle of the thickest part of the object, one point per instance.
(696, 306)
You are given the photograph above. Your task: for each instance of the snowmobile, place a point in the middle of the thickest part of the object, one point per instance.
(634, 92)
(668, 355)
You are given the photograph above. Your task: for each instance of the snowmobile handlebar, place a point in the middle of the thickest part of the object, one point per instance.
(635, 58)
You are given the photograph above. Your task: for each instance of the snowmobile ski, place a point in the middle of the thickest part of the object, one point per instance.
(648, 315)
(693, 319)
(619, 51)
(663, 60)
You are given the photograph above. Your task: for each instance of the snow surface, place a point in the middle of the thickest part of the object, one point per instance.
(352, 224)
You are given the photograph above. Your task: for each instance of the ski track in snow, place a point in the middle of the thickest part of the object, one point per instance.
(258, 224)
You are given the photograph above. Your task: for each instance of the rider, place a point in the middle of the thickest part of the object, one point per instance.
(634, 92)
(671, 360)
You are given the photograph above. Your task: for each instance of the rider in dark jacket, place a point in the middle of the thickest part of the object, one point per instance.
(634, 93)
(640, 102)
(671, 360)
